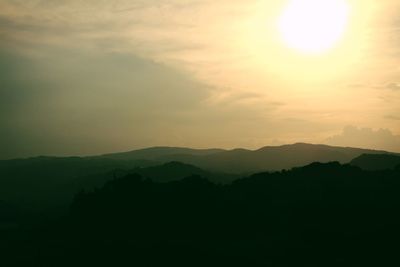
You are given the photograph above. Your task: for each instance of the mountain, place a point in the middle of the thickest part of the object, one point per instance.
(270, 158)
(323, 214)
(43, 183)
(154, 153)
(9, 215)
(376, 161)
(173, 171)
(31, 182)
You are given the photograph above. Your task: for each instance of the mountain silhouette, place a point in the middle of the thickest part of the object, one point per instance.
(45, 183)
(155, 153)
(31, 183)
(270, 158)
(322, 214)
(376, 162)
(9, 215)
(173, 171)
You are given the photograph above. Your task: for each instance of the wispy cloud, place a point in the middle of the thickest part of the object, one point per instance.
(393, 117)
(393, 86)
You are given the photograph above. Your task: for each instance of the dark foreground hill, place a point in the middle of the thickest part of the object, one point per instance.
(48, 183)
(175, 171)
(318, 215)
(376, 162)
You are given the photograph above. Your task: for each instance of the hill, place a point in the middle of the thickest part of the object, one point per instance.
(155, 153)
(322, 214)
(31, 182)
(377, 161)
(174, 171)
(270, 158)
(47, 181)
(43, 183)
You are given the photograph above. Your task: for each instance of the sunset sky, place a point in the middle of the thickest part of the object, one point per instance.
(83, 77)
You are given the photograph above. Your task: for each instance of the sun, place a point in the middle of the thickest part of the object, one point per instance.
(313, 26)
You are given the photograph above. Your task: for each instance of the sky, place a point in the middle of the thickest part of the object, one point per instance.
(82, 77)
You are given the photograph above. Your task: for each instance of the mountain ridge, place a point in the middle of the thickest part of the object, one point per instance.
(374, 162)
(241, 161)
(237, 160)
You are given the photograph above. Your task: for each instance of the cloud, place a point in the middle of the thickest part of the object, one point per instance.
(358, 85)
(393, 117)
(393, 86)
(80, 102)
(62, 101)
(87, 76)
(246, 99)
(382, 139)
(381, 86)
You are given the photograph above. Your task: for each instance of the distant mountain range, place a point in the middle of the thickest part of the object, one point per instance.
(243, 161)
(192, 199)
(31, 182)
(156, 153)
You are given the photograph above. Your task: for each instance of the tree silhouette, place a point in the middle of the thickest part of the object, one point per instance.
(317, 215)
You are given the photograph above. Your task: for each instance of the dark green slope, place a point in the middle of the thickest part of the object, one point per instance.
(376, 162)
(323, 214)
(36, 183)
(173, 171)
(49, 183)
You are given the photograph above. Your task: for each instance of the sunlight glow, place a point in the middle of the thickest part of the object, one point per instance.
(313, 26)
